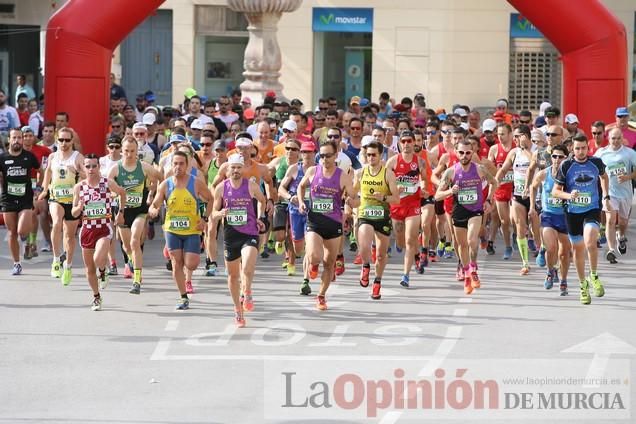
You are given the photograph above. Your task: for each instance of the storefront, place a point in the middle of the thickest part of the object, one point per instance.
(343, 39)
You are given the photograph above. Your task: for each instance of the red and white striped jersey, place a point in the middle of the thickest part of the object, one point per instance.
(97, 208)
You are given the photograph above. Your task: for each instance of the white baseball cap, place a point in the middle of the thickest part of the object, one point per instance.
(149, 118)
(139, 126)
(196, 125)
(543, 107)
(460, 111)
(366, 140)
(243, 142)
(571, 118)
(488, 125)
(235, 159)
(290, 125)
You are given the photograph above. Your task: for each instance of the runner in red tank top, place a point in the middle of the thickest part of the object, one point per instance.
(410, 173)
(503, 194)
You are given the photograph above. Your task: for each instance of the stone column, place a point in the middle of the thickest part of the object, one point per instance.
(262, 61)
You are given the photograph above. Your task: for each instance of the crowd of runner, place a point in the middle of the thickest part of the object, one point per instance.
(382, 179)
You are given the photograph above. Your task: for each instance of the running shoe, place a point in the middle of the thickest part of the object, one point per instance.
(432, 255)
(419, 264)
(532, 247)
(555, 276)
(440, 249)
(541, 258)
(279, 247)
(128, 273)
(305, 289)
(63, 258)
(483, 243)
(585, 293)
(611, 257)
(284, 264)
(34, 250)
(264, 254)
(313, 272)
(183, 304)
(375, 293)
(449, 252)
(357, 260)
(210, 270)
(103, 279)
(563, 288)
(404, 282)
(599, 290)
(598, 244)
(168, 265)
(525, 270)
(374, 255)
(549, 280)
(490, 249)
(364, 276)
(353, 246)
(135, 289)
(248, 302)
(188, 287)
(602, 238)
(97, 303)
(112, 269)
(475, 282)
(321, 303)
(424, 259)
(46, 247)
(468, 285)
(56, 270)
(507, 253)
(459, 273)
(622, 245)
(17, 269)
(515, 246)
(239, 320)
(340, 265)
(27, 252)
(398, 249)
(270, 245)
(67, 276)
(291, 270)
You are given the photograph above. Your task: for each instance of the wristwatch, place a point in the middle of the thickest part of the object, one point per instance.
(606, 197)
(205, 218)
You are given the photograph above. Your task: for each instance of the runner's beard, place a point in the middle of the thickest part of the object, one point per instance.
(417, 148)
(16, 147)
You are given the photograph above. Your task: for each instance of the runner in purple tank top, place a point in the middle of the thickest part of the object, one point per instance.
(464, 182)
(326, 184)
(234, 203)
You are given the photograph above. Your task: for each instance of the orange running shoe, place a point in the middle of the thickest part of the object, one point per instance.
(525, 270)
(357, 260)
(340, 265)
(364, 276)
(313, 271)
(468, 287)
(239, 320)
(321, 303)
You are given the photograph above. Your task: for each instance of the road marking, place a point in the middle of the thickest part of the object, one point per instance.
(465, 300)
(172, 325)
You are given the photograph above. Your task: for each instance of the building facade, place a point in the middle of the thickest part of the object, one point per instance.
(460, 51)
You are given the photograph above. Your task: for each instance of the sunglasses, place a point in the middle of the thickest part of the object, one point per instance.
(406, 140)
(116, 126)
(597, 133)
(286, 131)
(206, 144)
(91, 166)
(64, 140)
(336, 136)
(558, 156)
(326, 155)
(253, 155)
(292, 149)
(524, 122)
(445, 132)
(552, 134)
(114, 146)
(355, 128)
(372, 155)
(464, 153)
(430, 132)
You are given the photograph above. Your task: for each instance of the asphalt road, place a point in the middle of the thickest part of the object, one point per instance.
(141, 361)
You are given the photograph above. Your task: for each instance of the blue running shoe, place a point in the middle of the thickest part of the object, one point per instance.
(547, 284)
(440, 249)
(514, 241)
(449, 252)
(507, 253)
(563, 288)
(17, 270)
(541, 258)
(405, 281)
(397, 249)
(555, 276)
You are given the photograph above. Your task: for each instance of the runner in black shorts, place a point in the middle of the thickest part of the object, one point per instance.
(16, 201)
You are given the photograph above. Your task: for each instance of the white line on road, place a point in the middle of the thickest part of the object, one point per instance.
(172, 325)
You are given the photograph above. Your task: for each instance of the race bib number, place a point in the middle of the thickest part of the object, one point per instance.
(95, 210)
(582, 200)
(520, 186)
(374, 212)
(237, 216)
(322, 205)
(63, 191)
(16, 189)
(509, 177)
(555, 202)
(617, 169)
(133, 199)
(409, 188)
(467, 196)
(179, 223)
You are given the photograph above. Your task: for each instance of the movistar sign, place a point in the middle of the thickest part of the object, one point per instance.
(330, 19)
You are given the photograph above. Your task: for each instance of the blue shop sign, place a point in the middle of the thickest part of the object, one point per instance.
(339, 19)
(521, 27)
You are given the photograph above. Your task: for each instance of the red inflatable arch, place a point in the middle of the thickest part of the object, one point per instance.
(82, 35)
